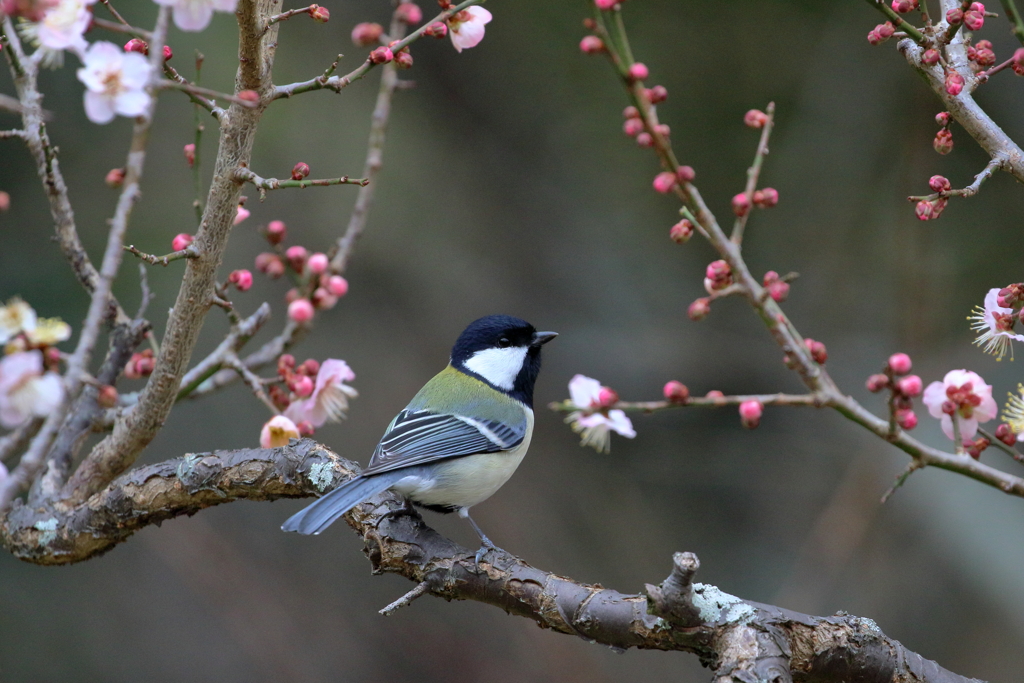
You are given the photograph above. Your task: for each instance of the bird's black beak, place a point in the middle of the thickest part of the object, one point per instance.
(540, 338)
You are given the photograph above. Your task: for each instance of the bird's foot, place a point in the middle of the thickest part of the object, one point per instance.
(485, 547)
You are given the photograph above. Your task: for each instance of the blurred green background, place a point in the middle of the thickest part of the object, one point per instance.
(509, 187)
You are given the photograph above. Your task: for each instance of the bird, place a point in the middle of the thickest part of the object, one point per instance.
(462, 435)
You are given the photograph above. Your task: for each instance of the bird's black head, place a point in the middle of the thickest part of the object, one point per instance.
(502, 351)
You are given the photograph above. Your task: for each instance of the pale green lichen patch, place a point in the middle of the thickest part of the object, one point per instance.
(49, 529)
(871, 627)
(188, 463)
(715, 605)
(321, 474)
(661, 625)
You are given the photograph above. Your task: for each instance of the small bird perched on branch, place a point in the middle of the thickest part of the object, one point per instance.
(460, 438)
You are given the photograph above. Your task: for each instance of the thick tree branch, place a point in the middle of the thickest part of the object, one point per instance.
(737, 638)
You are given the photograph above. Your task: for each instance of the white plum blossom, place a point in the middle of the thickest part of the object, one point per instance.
(195, 15)
(277, 432)
(16, 317)
(20, 324)
(330, 396)
(591, 421)
(115, 82)
(995, 323)
(25, 390)
(60, 28)
(962, 394)
(466, 28)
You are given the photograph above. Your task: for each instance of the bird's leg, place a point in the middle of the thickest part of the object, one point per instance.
(485, 543)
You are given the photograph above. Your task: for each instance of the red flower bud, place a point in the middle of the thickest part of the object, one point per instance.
(301, 310)
(755, 118)
(137, 45)
(1005, 434)
(631, 112)
(276, 232)
(645, 140)
(741, 204)
(930, 56)
(320, 15)
(938, 183)
(657, 94)
(924, 211)
(906, 418)
(899, 363)
(942, 118)
(910, 386)
(1018, 62)
(876, 383)
(296, 256)
(409, 12)
(367, 34)
(403, 60)
(750, 413)
(943, 142)
(638, 71)
(954, 82)
(591, 45)
(676, 392)
(242, 279)
(974, 19)
(664, 182)
(168, 52)
(955, 15)
(181, 241)
(632, 127)
(301, 169)
(681, 232)
(107, 396)
(685, 174)
(817, 350)
(190, 154)
(381, 55)
(114, 177)
(699, 309)
(436, 30)
(766, 198)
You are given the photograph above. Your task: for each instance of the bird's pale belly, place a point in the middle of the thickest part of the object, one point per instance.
(464, 481)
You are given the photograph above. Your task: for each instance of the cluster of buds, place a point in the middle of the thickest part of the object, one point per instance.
(973, 17)
(943, 142)
(717, 276)
(927, 209)
(981, 55)
(762, 199)
(904, 388)
(140, 365)
(777, 288)
(300, 381)
(142, 47)
(1012, 296)
(881, 33)
(403, 58)
(676, 393)
(904, 6)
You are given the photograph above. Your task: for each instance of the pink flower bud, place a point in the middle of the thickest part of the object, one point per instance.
(309, 367)
(607, 397)
(241, 214)
(638, 71)
(876, 383)
(301, 169)
(664, 182)
(181, 241)
(317, 263)
(337, 285)
(1005, 434)
(242, 279)
(5, 202)
(1018, 62)
(766, 198)
(190, 154)
(930, 56)
(663, 130)
(605, 5)
(301, 310)
(591, 45)
(409, 12)
(973, 19)
(902, 6)
(874, 38)
(778, 291)
(699, 309)
(906, 418)
(910, 386)
(974, 448)
(681, 232)
(938, 183)
(942, 118)
(817, 350)
(714, 393)
(954, 82)
(631, 112)
(403, 60)
(632, 127)
(367, 34)
(750, 413)
(657, 94)
(296, 257)
(676, 392)
(899, 363)
(685, 174)
(955, 15)
(320, 15)
(985, 57)
(168, 53)
(114, 177)
(323, 299)
(107, 396)
(270, 264)
(436, 30)
(741, 204)
(943, 142)
(137, 45)
(755, 118)
(284, 363)
(248, 96)
(885, 30)
(301, 386)
(645, 140)
(718, 271)
(381, 55)
(276, 231)
(924, 211)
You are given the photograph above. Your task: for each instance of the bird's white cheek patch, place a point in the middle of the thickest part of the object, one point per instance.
(500, 367)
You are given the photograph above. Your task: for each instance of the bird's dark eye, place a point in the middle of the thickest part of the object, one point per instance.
(504, 342)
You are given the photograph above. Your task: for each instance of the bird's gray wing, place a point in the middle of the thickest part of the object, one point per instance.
(416, 437)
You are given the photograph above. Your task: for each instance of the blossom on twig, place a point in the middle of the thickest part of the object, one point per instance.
(25, 390)
(467, 27)
(115, 82)
(330, 396)
(593, 420)
(195, 15)
(995, 323)
(962, 394)
(60, 28)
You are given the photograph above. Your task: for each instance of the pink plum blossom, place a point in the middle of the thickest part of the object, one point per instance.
(115, 82)
(25, 390)
(467, 27)
(329, 400)
(277, 431)
(195, 15)
(60, 28)
(587, 394)
(995, 324)
(962, 394)
(241, 214)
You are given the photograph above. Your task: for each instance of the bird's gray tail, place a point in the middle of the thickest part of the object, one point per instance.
(319, 515)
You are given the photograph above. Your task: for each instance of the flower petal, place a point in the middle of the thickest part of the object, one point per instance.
(99, 108)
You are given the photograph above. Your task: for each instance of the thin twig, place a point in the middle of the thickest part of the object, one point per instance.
(914, 466)
(1010, 7)
(174, 84)
(813, 400)
(991, 167)
(289, 14)
(266, 184)
(186, 253)
(249, 377)
(11, 443)
(208, 105)
(753, 173)
(233, 342)
(420, 590)
(119, 27)
(1009, 450)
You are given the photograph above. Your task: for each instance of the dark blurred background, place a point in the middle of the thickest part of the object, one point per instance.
(508, 187)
